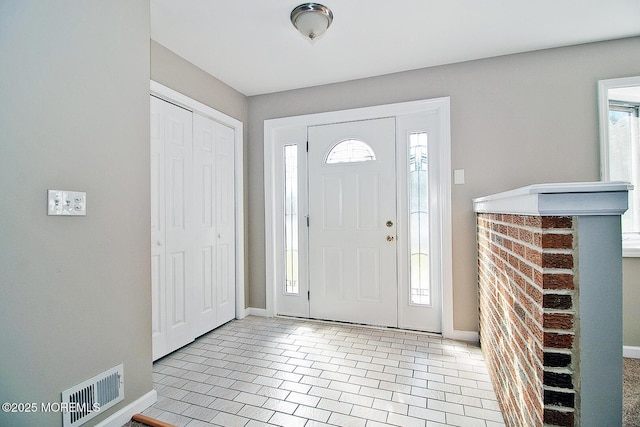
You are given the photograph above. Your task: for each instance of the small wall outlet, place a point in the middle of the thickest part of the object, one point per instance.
(64, 202)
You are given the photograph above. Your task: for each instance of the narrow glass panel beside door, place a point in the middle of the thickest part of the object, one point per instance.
(419, 219)
(291, 285)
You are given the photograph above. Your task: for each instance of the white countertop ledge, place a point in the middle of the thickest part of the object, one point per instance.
(559, 199)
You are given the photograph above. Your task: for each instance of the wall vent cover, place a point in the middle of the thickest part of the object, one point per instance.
(87, 399)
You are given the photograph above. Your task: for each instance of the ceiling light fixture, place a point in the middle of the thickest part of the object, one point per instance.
(311, 19)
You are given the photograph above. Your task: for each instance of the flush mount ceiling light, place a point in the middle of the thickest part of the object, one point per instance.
(311, 19)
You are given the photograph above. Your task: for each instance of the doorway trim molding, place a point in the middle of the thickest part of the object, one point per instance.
(184, 101)
(294, 126)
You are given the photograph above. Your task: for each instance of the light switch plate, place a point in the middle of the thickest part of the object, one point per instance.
(65, 202)
(458, 176)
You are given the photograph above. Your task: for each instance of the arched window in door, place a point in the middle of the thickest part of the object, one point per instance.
(350, 151)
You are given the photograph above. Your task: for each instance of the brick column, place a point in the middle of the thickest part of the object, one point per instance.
(527, 325)
(529, 283)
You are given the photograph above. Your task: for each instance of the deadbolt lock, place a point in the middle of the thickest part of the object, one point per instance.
(389, 224)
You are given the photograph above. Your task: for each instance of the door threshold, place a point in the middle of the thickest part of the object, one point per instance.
(362, 325)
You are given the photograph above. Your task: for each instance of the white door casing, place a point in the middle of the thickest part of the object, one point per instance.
(352, 250)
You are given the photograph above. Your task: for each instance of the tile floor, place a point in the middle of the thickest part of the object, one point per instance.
(289, 372)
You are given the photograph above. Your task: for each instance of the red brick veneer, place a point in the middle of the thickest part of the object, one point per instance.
(527, 300)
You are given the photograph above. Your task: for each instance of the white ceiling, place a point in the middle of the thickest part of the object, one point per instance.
(252, 46)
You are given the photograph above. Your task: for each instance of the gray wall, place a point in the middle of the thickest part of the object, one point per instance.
(74, 114)
(182, 76)
(175, 72)
(515, 120)
(631, 301)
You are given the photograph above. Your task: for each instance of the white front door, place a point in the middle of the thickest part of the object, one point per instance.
(327, 211)
(352, 222)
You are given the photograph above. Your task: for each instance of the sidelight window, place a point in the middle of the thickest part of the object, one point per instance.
(419, 219)
(291, 285)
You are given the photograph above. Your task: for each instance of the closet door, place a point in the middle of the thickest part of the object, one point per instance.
(158, 259)
(192, 226)
(204, 145)
(172, 281)
(225, 224)
(214, 224)
(179, 234)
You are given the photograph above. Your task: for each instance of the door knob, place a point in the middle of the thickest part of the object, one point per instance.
(390, 238)
(159, 242)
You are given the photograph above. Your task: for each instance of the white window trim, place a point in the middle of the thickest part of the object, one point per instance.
(297, 125)
(181, 100)
(630, 243)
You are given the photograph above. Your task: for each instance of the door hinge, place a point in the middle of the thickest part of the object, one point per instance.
(308, 295)
(307, 220)
(307, 146)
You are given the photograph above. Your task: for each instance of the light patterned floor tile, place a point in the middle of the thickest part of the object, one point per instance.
(255, 413)
(286, 420)
(289, 372)
(369, 413)
(229, 420)
(405, 421)
(346, 420)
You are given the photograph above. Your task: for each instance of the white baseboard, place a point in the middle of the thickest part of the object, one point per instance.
(469, 336)
(252, 311)
(631, 352)
(124, 415)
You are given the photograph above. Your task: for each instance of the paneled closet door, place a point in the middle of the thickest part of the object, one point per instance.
(192, 225)
(225, 224)
(178, 223)
(158, 259)
(172, 229)
(214, 226)
(204, 186)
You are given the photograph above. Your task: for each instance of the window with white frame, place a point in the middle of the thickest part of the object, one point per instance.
(624, 156)
(621, 151)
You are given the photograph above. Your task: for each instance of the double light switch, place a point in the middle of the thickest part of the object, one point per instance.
(63, 202)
